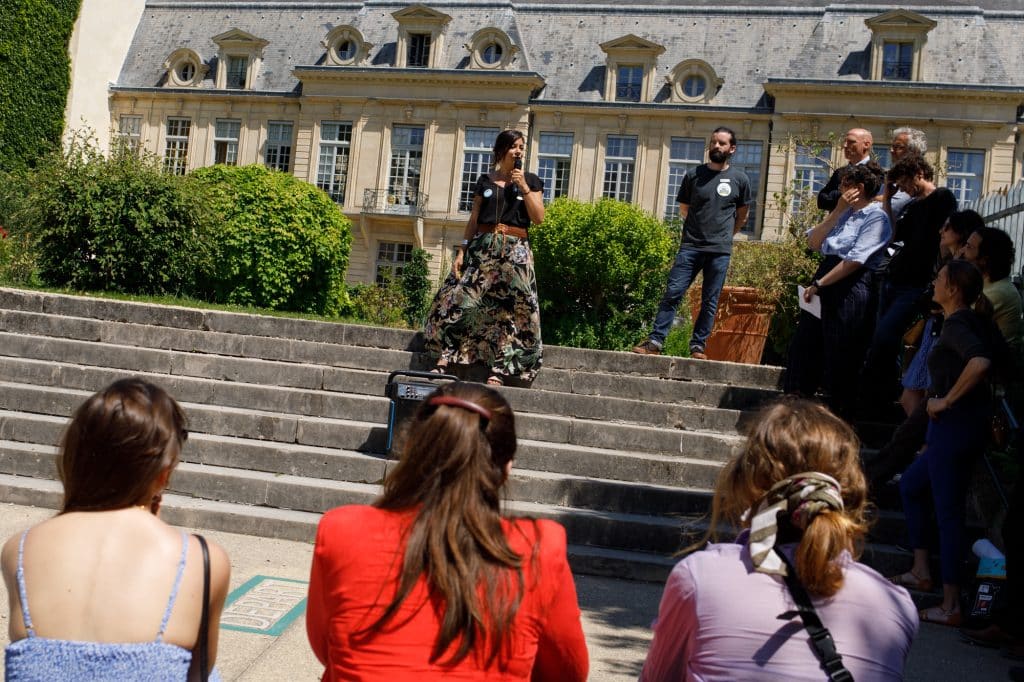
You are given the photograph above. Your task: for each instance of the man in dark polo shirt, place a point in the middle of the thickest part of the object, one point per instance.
(713, 202)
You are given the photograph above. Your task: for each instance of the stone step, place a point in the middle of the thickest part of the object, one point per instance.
(303, 364)
(301, 526)
(15, 348)
(375, 337)
(231, 448)
(276, 412)
(332, 466)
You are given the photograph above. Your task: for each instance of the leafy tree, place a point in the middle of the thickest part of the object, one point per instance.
(601, 269)
(114, 222)
(415, 281)
(278, 241)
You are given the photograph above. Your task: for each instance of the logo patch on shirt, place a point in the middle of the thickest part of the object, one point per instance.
(488, 192)
(724, 188)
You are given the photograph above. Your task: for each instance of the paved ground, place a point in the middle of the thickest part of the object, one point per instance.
(616, 619)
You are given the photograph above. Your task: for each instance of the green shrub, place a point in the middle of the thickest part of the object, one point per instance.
(415, 281)
(114, 222)
(677, 342)
(601, 269)
(18, 261)
(380, 304)
(35, 76)
(279, 242)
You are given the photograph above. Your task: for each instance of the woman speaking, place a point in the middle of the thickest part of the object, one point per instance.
(487, 309)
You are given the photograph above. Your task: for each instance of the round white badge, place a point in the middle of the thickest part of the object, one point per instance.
(724, 189)
(488, 192)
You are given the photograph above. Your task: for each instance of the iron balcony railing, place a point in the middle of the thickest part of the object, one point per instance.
(394, 202)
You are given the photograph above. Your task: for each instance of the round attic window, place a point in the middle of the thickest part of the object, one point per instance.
(185, 72)
(694, 86)
(492, 53)
(346, 50)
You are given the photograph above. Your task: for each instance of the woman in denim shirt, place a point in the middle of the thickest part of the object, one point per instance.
(828, 352)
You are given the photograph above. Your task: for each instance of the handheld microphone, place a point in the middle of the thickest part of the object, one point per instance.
(517, 165)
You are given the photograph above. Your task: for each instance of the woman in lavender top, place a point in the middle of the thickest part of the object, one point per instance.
(798, 491)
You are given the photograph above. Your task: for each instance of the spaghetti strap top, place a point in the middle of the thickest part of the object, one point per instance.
(23, 595)
(41, 658)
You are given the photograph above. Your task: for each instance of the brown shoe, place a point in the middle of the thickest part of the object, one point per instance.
(698, 355)
(648, 347)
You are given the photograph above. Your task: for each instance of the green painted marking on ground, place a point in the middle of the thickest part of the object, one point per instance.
(264, 605)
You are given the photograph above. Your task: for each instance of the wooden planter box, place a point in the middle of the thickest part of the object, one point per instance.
(741, 324)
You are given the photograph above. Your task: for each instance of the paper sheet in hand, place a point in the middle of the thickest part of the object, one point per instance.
(814, 307)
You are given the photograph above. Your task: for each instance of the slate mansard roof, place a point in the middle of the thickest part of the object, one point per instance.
(746, 42)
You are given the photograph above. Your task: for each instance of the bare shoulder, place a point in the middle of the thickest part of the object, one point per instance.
(9, 555)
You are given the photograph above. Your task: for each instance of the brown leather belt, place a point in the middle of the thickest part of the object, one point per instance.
(502, 228)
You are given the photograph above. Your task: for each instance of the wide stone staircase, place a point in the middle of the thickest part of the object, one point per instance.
(287, 419)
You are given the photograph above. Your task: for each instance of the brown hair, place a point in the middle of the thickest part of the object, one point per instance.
(503, 142)
(908, 167)
(117, 444)
(792, 437)
(452, 469)
(966, 278)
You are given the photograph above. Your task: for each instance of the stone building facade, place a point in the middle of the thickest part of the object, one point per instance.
(391, 108)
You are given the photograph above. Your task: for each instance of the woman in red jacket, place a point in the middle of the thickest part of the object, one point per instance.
(432, 581)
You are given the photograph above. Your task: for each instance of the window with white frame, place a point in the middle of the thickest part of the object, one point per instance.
(225, 141)
(406, 163)
(555, 163)
(619, 167)
(391, 260)
(883, 156)
(278, 153)
(629, 80)
(129, 130)
(747, 158)
(332, 167)
(684, 154)
(811, 173)
(476, 160)
(965, 170)
(176, 145)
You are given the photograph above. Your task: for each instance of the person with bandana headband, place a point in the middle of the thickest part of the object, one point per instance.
(799, 496)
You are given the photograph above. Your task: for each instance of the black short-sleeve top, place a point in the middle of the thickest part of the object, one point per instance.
(506, 202)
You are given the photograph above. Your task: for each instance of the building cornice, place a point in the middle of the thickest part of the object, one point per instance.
(859, 89)
(518, 80)
(647, 107)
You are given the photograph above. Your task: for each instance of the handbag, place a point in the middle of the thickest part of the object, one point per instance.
(821, 638)
(198, 669)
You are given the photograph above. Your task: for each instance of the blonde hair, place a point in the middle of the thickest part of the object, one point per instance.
(790, 437)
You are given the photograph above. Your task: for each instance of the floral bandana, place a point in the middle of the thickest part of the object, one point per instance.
(801, 497)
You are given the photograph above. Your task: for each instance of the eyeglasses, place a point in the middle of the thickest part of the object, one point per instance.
(897, 147)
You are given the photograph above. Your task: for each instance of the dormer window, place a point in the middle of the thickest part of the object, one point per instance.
(420, 37)
(345, 46)
(184, 69)
(238, 60)
(694, 81)
(419, 51)
(629, 69)
(897, 41)
(490, 48)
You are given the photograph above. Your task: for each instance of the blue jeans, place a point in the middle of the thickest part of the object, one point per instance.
(942, 472)
(688, 263)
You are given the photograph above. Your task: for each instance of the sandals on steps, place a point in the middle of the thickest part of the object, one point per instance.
(912, 581)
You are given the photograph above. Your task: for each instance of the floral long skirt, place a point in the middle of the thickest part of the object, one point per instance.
(491, 313)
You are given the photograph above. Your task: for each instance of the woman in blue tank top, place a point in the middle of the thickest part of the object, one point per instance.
(105, 590)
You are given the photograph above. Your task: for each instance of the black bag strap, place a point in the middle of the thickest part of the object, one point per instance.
(203, 645)
(821, 638)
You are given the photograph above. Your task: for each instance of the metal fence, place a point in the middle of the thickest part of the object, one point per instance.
(1005, 209)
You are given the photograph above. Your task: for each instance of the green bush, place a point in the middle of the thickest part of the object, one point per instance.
(601, 269)
(114, 222)
(18, 261)
(278, 243)
(415, 281)
(380, 304)
(35, 76)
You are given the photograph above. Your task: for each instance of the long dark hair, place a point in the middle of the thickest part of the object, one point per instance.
(503, 142)
(117, 444)
(451, 471)
(966, 278)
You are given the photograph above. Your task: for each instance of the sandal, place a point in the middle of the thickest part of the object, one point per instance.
(495, 380)
(912, 581)
(940, 616)
(440, 368)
